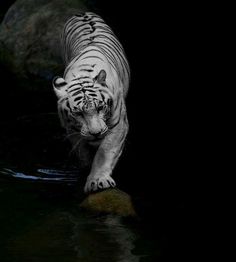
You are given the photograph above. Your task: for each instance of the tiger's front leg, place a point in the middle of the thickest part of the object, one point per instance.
(106, 158)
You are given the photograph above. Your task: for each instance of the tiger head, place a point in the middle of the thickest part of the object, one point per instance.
(85, 104)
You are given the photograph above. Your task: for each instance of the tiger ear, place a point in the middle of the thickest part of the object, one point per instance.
(101, 77)
(59, 86)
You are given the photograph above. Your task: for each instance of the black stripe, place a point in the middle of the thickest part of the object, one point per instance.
(67, 104)
(60, 84)
(88, 88)
(112, 38)
(75, 90)
(74, 28)
(79, 102)
(84, 52)
(79, 43)
(93, 95)
(117, 104)
(84, 65)
(87, 70)
(87, 82)
(74, 85)
(92, 57)
(80, 14)
(113, 126)
(77, 98)
(103, 97)
(119, 117)
(76, 93)
(83, 77)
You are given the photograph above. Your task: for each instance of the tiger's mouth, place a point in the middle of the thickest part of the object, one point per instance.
(91, 138)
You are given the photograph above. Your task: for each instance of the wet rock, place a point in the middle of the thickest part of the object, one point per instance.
(112, 201)
(30, 38)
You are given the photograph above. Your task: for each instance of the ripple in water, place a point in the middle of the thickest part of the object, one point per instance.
(49, 175)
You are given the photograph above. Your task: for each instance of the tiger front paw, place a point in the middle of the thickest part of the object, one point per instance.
(96, 183)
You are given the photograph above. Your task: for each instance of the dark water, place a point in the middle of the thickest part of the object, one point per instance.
(35, 227)
(41, 229)
(40, 217)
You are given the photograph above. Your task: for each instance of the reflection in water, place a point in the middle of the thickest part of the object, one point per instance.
(50, 175)
(37, 228)
(45, 235)
(104, 239)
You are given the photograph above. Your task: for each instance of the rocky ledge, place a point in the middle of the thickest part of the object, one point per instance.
(112, 201)
(30, 39)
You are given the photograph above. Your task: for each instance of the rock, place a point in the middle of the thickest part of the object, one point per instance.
(30, 38)
(112, 201)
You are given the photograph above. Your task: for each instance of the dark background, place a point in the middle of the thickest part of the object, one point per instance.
(160, 160)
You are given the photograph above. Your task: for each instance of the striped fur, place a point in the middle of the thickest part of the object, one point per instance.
(91, 94)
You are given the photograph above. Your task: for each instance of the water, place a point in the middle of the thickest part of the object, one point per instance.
(40, 192)
(43, 227)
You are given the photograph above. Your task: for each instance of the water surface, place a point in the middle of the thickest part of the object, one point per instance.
(40, 192)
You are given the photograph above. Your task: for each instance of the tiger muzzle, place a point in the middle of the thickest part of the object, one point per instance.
(96, 127)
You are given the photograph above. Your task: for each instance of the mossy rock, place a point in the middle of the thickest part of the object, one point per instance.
(110, 201)
(30, 38)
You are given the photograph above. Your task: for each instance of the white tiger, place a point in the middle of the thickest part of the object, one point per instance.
(91, 95)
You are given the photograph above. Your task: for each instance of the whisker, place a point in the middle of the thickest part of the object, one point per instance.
(75, 146)
(108, 132)
(72, 134)
(105, 130)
